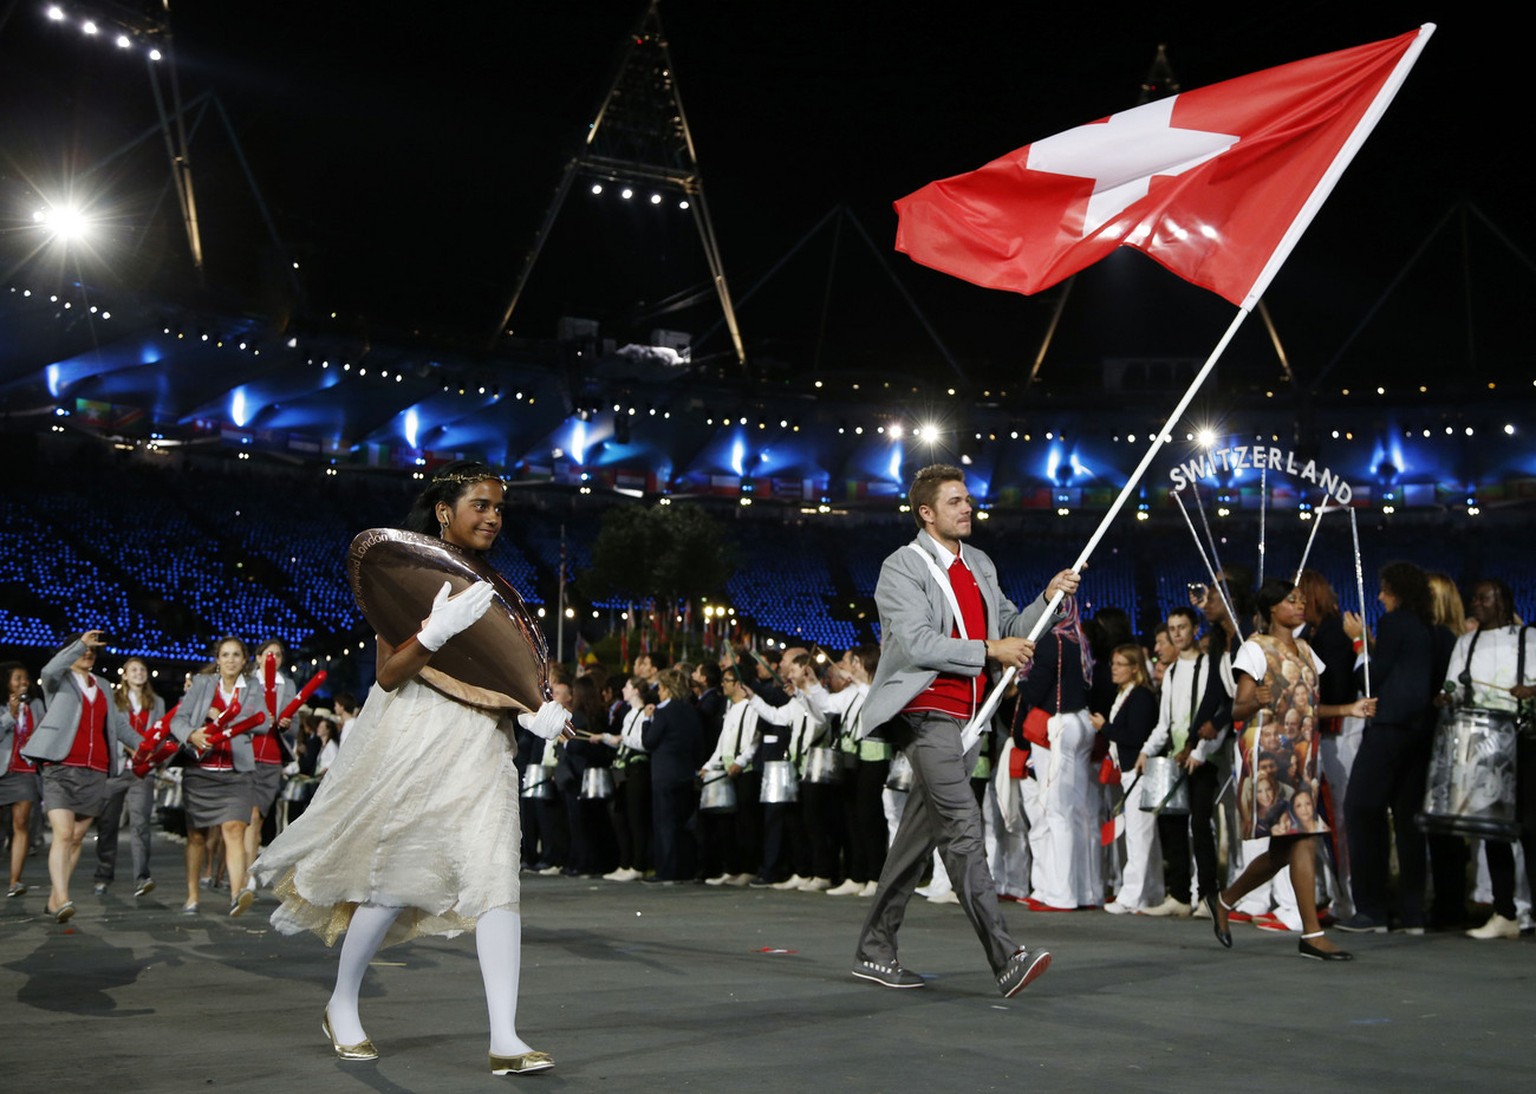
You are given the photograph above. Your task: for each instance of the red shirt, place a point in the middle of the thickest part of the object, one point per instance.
(90, 747)
(221, 757)
(950, 693)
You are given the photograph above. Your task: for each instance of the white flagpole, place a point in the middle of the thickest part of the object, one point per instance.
(1317, 519)
(1354, 531)
(1325, 184)
(1263, 504)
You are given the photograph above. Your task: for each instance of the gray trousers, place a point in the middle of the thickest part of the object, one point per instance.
(941, 812)
(139, 795)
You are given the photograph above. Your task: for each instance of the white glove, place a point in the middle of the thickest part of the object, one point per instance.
(453, 614)
(548, 723)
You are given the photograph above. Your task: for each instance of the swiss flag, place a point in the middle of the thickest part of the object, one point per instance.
(1210, 182)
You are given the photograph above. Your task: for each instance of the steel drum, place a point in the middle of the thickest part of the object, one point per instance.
(899, 778)
(718, 795)
(501, 662)
(596, 784)
(781, 783)
(1471, 786)
(539, 783)
(1160, 776)
(823, 766)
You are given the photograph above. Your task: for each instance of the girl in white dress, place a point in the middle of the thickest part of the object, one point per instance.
(414, 829)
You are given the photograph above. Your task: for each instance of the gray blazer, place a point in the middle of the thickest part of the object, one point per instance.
(55, 734)
(915, 626)
(192, 715)
(8, 729)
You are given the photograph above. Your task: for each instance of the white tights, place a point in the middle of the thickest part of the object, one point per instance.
(498, 941)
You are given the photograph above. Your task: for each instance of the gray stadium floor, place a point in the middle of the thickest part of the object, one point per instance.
(645, 988)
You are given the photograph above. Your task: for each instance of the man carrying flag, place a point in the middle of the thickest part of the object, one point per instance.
(1216, 184)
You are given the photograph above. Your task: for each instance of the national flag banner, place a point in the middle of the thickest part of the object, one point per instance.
(1216, 184)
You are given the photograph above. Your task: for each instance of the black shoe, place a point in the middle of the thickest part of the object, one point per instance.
(653, 880)
(1219, 919)
(890, 976)
(760, 882)
(1023, 966)
(1360, 923)
(1307, 950)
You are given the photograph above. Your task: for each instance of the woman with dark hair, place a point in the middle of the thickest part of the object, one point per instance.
(135, 709)
(1337, 738)
(414, 829)
(632, 785)
(20, 786)
(217, 717)
(591, 833)
(1108, 629)
(1262, 666)
(1393, 763)
(1130, 721)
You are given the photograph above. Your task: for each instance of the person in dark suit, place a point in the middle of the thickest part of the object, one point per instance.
(674, 737)
(943, 619)
(710, 700)
(1393, 763)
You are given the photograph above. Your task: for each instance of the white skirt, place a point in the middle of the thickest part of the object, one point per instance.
(419, 811)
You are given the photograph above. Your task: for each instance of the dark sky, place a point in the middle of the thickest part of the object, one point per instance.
(407, 155)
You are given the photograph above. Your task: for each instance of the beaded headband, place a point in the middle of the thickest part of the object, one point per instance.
(468, 478)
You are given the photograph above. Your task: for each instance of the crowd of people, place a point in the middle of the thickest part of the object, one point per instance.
(1262, 758)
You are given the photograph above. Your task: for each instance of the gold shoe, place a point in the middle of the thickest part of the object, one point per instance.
(522, 1064)
(363, 1050)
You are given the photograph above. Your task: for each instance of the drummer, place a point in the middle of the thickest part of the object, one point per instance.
(1486, 672)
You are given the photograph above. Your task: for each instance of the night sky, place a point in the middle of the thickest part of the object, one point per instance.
(407, 156)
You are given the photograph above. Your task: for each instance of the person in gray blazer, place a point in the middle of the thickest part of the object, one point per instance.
(71, 746)
(222, 708)
(943, 621)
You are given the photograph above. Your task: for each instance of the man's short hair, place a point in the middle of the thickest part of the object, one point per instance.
(1189, 614)
(711, 673)
(925, 486)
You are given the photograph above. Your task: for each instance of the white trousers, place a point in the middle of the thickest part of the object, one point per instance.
(1141, 879)
(1065, 844)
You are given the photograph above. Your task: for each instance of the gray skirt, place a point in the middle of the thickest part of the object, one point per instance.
(212, 798)
(266, 781)
(78, 789)
(19, 786)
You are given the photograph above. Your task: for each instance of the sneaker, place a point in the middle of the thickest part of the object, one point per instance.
(16, 890)
(1201, 911)
(1412, 931)
(1269, 921)
(720, 879)
(1171, 906)
(948, 896)
(815, 885)
(550, 871)
(1114, 907)
(847, 888)
(739, 881)
(794, 881)
(100, 888)
(623, 873)
(890, 976)
(761, 882)
(870, 889)
(1023, 967)
(1496, 927)
(1360, 923)
(145, 886)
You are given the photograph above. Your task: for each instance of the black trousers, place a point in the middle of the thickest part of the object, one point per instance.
(823, 816)
(784, 849)
(1389, 775)
(637, 815)
(1501, 856)
(672, 806)
(1198, 830)
(864, 819)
